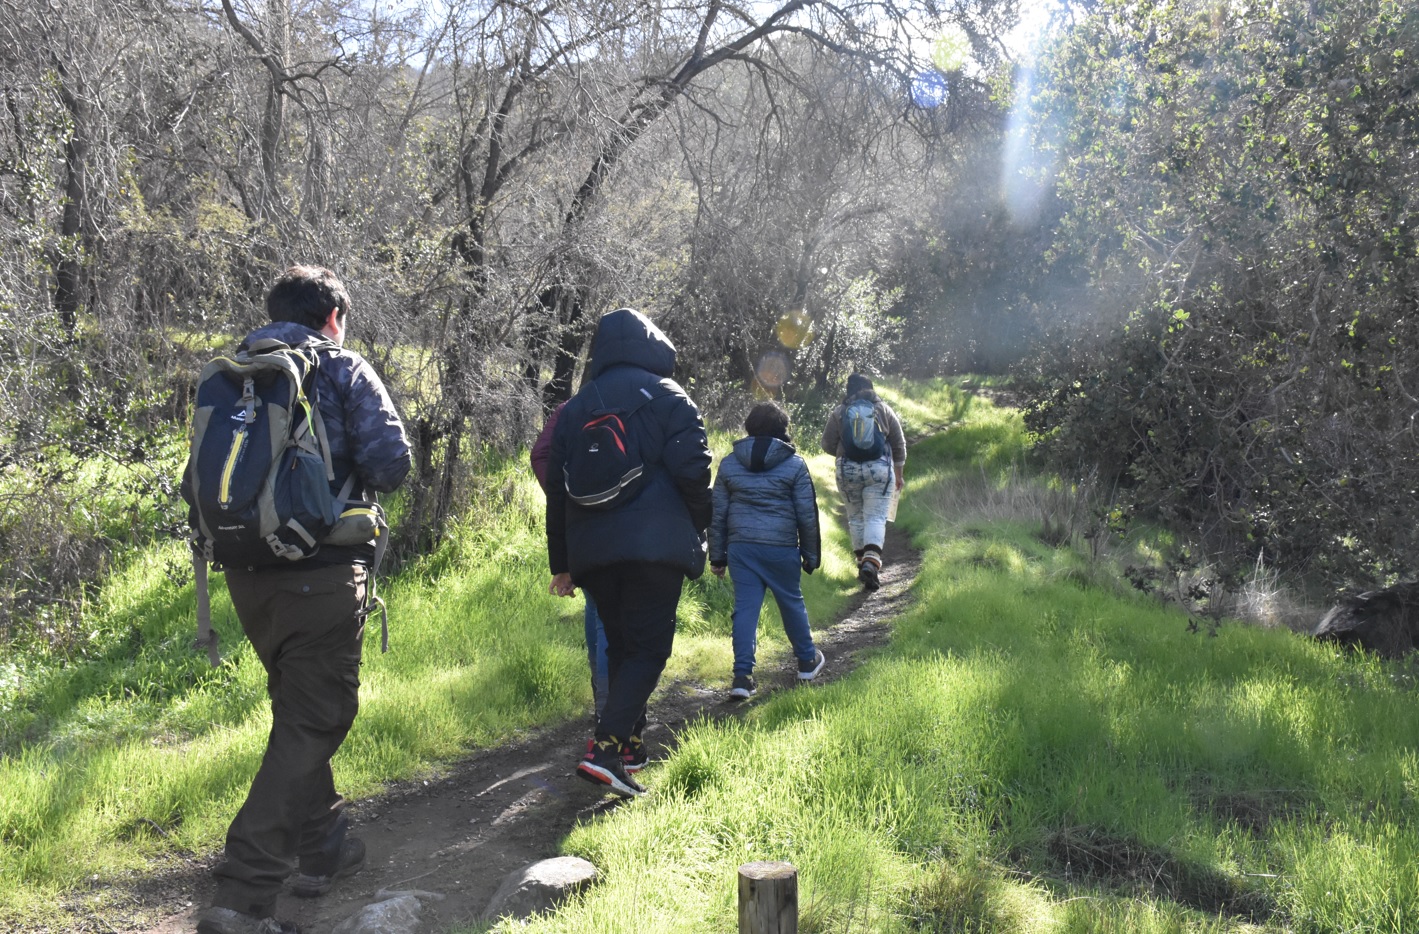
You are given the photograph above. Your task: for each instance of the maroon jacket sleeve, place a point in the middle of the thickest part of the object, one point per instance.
(542, 449)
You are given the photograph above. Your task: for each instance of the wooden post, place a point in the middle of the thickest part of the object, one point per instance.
(768, 898)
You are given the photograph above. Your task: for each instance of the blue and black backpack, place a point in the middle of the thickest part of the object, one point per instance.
(258, 474)
(862, 438)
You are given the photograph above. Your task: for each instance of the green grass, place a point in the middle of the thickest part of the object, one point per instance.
(135, 753)
(1037, 750)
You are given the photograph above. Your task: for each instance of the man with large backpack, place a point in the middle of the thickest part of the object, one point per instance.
(628, 504)
(865, 436)
(302, 607)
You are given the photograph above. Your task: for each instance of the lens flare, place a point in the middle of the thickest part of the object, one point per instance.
(771, 371)
(794, 329)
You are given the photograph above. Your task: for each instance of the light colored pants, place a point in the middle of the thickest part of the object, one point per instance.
(866, 488)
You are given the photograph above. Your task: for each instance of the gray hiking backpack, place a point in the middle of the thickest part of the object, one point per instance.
(862, 437)
(258, 474)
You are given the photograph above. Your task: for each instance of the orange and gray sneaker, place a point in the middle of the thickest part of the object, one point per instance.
(633, 754)
(603, 765)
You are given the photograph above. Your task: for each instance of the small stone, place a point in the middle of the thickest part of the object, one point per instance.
(540, 887)
(399, 915)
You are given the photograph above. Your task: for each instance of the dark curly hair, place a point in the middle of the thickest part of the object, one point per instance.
(856, 383)
(306, 295)
(767, 419)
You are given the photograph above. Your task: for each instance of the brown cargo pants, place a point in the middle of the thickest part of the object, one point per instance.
(306, 626)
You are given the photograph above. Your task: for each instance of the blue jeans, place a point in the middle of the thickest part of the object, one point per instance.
(754, 570)
(867, 496)
(596, 654)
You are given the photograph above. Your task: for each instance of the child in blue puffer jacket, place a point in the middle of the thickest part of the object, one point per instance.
(765, 528)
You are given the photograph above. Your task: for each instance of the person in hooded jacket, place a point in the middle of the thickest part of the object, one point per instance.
(633, 554)
(765, 528)
(867, 485)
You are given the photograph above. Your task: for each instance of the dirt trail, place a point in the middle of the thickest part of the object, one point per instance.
(500, 810)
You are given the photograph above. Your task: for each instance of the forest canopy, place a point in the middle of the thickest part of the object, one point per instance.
(487, 178)
(1187, 228)
(1239, 193)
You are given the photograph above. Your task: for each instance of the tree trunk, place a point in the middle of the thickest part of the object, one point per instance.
(830, 359)
(69, 260)
(569, 340)
(273, 118)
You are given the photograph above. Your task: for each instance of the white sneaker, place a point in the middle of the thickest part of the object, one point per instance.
(807, 671)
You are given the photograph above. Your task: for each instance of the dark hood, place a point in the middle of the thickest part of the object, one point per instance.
(287, 331)
(762, 453)
(625, 336)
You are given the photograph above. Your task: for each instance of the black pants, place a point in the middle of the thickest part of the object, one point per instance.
(306, 627)
(637, 605)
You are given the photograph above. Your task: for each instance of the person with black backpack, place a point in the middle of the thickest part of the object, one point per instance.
(865, 436)
(628, 505)
(301, 604)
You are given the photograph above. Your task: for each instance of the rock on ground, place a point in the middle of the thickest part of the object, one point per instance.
(540, 887)
(1384, 621)
(397, 915)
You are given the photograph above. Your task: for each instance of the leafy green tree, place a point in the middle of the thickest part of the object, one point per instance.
(1240, 181)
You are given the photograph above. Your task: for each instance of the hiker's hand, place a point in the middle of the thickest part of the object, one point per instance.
(899, 483)
(562, 585)
(717, 570)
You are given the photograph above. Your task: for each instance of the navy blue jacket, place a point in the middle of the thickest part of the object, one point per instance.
(764, 495)
(665, 522)
(365, 432)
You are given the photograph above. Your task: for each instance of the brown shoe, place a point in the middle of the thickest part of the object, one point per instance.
(228, 921)
(313, 883)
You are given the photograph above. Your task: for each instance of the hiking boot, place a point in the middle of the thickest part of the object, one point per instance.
(603, 765)
(743, 687)
(312, 883)
(633, 755)
(227, 921)
(867, 571)
(807, 671)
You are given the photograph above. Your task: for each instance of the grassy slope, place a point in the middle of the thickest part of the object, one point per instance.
(140, 753)
(1035, 753)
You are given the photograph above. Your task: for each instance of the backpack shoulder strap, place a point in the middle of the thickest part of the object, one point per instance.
(206, 636)
(315, 346)
(646, 398)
